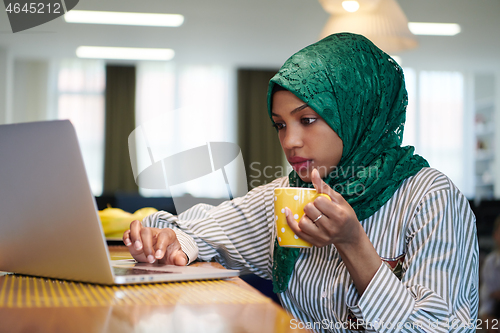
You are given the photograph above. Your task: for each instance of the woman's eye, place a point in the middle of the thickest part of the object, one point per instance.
(308, 121)
(278, 126)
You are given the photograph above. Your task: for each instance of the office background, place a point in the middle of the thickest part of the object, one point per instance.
(224, 54)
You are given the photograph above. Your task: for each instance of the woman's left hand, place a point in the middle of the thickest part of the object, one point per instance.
(337, 225)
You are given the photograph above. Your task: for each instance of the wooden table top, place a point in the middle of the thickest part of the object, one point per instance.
(29, 304)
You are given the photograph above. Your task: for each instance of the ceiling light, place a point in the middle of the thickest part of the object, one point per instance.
(435, 29)
(122, 18)
(385, 25)
(339, 6)
(350, 6)
(127, 53)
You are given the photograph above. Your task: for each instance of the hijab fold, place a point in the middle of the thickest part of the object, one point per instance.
(360, 92)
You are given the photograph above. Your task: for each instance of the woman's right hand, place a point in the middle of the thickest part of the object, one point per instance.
(151, 244)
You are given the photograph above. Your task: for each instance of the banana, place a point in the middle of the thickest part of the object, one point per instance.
(116, 221)
(140, 214)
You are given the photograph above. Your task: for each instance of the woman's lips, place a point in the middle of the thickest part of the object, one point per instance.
(299, 163)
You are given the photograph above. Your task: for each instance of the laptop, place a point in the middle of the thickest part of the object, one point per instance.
(49, 223)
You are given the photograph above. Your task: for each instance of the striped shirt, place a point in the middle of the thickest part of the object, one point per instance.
(425, 235)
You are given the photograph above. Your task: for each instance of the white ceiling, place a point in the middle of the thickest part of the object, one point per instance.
(257, 33)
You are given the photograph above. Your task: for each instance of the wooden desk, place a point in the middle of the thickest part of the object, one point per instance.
(29, 304)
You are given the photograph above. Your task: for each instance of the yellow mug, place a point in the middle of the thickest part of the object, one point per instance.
(294, 198)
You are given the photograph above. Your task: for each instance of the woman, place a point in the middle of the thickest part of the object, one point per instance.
(394, 250)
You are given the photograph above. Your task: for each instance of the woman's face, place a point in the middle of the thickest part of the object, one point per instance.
(306, 139)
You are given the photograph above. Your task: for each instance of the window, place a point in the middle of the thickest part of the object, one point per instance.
(435, 122)
(81, 86)
(179, 108)
(174, 104)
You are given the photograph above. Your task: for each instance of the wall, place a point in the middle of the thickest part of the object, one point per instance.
(33, 93)
(5, 86)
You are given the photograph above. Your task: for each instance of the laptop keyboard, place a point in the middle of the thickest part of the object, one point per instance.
(121, 271)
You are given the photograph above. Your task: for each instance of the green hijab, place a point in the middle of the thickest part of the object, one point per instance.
(360, 92)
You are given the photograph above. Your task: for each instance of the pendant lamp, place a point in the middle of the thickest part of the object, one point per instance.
(381, 21)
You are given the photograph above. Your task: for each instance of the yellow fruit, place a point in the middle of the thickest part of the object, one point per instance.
(140, 214)
(116, 221)
(115, 235)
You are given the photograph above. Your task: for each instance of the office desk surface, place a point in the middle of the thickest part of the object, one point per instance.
(29, 304)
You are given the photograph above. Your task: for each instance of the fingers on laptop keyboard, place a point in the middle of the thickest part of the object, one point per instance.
(148, 237)
(167, 246)
(151, 244)
(133, 239)
(135, 235)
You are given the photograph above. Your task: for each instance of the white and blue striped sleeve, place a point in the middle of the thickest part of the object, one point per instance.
(438, 291)
(238, 233)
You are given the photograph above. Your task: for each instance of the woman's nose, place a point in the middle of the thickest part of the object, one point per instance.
(292, 138)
